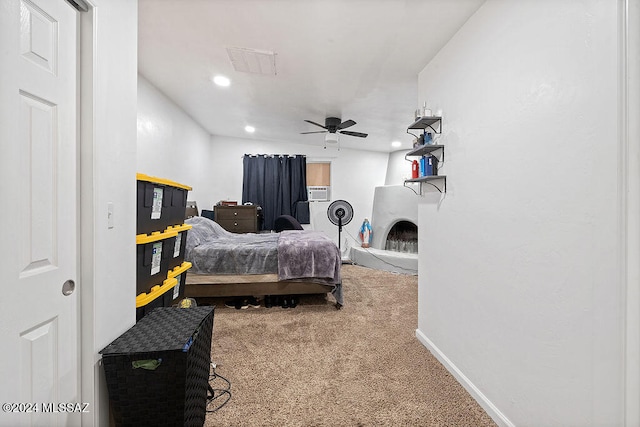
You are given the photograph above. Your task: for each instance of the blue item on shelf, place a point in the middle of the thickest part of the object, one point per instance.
(428, 169)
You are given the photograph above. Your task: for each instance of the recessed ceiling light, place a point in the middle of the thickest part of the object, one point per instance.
(222, 81)
(396, 144)
(250, 129)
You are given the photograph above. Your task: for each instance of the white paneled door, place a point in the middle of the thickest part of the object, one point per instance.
(39, 358)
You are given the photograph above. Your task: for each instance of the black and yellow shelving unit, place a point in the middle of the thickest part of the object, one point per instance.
(160, 243)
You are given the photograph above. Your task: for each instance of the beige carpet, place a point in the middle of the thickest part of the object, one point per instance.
(317, 366)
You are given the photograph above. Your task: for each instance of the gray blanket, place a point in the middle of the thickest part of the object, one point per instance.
(306, 254)
(291, 254)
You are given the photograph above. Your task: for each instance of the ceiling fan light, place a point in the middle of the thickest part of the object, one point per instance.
(331, 138)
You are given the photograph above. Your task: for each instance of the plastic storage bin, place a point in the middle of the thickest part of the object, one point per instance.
(154, 253)
(160, 203)
(180, 274)
(157, 372)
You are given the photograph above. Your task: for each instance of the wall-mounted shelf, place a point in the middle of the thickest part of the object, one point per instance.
(425, 149)
(427, 122)
(437, 181)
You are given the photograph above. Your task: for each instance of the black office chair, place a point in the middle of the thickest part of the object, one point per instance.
(208, 214)
(287, 222)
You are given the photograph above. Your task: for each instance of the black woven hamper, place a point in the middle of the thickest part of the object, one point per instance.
(177, 342)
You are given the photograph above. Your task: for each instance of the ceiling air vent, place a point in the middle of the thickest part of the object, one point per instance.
(253, 61)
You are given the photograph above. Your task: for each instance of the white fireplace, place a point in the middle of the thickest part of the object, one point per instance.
(394, 243)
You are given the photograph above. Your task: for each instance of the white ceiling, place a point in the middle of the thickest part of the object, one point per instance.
(352, 59)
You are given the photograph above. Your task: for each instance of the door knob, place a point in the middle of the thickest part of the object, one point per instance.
(68, 287)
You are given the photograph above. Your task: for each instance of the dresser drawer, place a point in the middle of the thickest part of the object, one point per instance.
(237, 219)
(238, 226)
(235, 212)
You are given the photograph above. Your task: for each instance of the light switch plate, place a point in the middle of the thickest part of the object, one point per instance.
(110, 215)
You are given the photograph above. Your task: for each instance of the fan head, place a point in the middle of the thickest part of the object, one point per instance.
(340, 212)
(332, 124)
(335, 125)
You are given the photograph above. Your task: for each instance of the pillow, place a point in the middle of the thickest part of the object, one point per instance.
(203, 230)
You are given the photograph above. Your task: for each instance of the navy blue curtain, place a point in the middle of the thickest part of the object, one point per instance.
(276, 183)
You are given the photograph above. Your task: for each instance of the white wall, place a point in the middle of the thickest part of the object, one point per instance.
(398, 168)
(631, 132)
(171, 144)
(521, 295)
(108, 152)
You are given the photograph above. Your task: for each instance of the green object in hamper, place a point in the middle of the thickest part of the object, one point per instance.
(148, 364)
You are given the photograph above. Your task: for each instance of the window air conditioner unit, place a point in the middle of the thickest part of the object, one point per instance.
(318, 193)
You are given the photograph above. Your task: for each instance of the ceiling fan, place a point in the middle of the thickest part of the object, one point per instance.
(334, 125)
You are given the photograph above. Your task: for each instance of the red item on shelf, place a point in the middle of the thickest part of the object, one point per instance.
(414, 169)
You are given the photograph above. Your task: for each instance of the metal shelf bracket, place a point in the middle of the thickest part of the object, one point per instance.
(442, 189)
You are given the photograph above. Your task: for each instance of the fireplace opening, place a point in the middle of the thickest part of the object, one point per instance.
(403, 237)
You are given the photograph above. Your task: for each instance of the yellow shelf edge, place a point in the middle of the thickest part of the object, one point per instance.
(157, 291)
(161, 181)
(179, 269)
(142, 239)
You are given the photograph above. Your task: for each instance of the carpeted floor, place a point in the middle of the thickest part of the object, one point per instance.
(314, 365)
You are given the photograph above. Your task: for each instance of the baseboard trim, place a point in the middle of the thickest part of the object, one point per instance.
(482, 400)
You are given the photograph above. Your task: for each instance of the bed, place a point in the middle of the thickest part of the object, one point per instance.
(291, 262)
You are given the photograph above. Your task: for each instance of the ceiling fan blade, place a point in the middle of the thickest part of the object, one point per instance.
(346, 124)
(318, 131)
(314, 123)
(358, 134)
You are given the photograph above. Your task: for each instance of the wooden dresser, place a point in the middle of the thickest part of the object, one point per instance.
(237, 219)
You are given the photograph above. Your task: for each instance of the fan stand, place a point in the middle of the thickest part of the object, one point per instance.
(339, 234)
(340, 213)
(343, 261)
